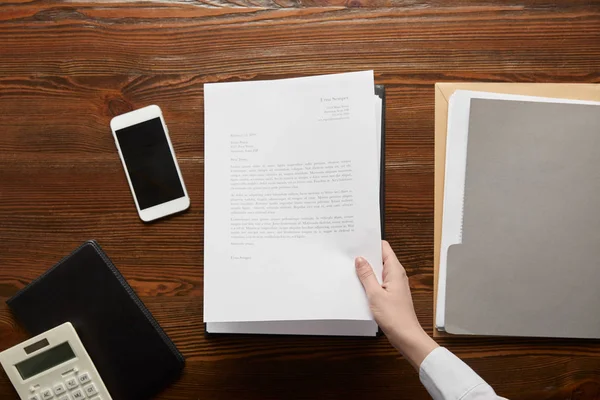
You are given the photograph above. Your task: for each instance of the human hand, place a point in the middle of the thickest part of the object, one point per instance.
(392, 306)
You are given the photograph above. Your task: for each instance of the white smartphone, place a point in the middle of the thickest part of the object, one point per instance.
(151, 168)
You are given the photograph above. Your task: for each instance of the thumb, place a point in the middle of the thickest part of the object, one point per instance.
(367, 276)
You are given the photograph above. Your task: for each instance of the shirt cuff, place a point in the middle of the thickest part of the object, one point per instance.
(446, 377)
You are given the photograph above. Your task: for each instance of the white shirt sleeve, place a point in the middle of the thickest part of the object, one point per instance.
(446, 377)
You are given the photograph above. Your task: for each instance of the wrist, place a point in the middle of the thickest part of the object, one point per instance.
(415, 345)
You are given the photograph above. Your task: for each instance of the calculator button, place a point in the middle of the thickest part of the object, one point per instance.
(78, 394)
(72, 383)
(33, 397)
(84, 378)
(90, 390)
(47, 394)
(59, 389)
(65, 397)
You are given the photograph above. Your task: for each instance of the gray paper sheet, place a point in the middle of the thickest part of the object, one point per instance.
(529, 262)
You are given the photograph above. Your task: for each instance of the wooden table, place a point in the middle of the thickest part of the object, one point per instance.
(67, 68)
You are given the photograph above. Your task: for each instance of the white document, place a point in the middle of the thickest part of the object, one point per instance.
(291, 198)
(314, 327)
(459, 107)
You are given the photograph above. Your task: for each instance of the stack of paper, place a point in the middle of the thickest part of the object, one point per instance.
(518, 249)
(291, 198)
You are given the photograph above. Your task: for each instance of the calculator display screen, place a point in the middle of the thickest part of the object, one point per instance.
(46, 360)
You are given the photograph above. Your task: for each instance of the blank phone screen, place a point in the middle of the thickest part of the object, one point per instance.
(150, 164)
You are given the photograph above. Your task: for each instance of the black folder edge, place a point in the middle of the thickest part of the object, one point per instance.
(379, 91)
(125, 285)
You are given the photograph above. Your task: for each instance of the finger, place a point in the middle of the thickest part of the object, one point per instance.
(367, 276)
(392, 269)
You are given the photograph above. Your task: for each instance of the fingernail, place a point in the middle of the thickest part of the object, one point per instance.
(359, 261)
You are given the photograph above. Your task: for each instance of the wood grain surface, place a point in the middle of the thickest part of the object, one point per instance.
(67, 67)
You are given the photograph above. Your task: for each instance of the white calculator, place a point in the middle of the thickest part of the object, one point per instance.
(53, 366)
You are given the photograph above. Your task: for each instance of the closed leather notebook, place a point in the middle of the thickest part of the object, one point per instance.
(133, 355)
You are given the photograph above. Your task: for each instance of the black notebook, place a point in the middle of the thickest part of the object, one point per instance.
(133, 355)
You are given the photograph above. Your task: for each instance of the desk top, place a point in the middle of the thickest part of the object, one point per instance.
(67, 68)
